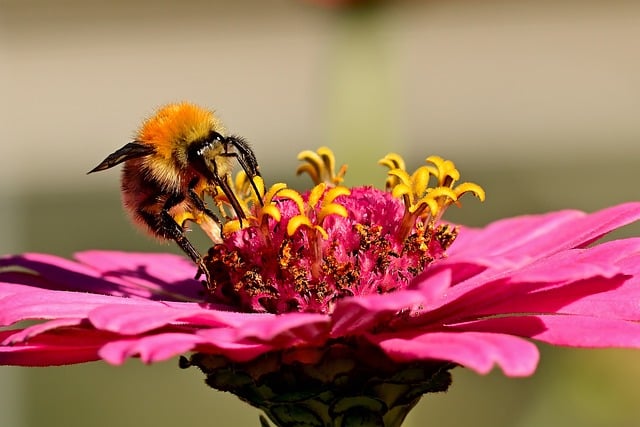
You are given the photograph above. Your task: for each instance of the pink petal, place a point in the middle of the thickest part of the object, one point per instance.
(532, 288)
(566, 330)
(57, 273)
(478, 351)
(359, 314)
(595, 296)
(514, 241)
(111, 273)
(166, 276)
(22, 335)
(354, 315)
(47, 304)
(152, 348)
(122, 319)
(288, 329)
(64, 347)
(226, 342)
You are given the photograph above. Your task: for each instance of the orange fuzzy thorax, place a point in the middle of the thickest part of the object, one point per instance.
(176, 124)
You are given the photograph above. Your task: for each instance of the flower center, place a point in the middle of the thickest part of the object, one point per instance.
(302, 252)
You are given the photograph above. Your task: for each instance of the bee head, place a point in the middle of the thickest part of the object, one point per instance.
(211, 157)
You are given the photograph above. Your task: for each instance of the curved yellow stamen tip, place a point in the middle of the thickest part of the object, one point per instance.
(332, 209)
(231, 227)
(423, 204)
(296, 222)
(270, 211)
(294, 196)
(315, 194)
(320, 165)
(334, 193)
(402, 190)
(446, 171)
(273, 191)
(310, 169)
(440, 192)
(400, 175)
(420, 180)
(470, 187)
(392, 161)
(321, 201)
(420, 199)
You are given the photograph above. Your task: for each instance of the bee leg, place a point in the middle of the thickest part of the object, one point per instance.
(246, 158)
(188, 248)
(201, 205)
(174, 231)
(231, 197)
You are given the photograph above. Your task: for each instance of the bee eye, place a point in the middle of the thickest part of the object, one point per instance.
(215, 137)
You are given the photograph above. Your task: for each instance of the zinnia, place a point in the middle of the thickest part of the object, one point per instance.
(338, 306)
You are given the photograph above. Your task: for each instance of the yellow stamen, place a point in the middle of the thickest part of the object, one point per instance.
(320, 165)
(394, 162)
(421, 200)
(315, 194)
(296, 222)
(262, 210)
(324, 199)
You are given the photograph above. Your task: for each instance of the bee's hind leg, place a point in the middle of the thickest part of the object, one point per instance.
(167, 227)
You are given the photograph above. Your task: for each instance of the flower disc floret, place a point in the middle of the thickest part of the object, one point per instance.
(337, 243)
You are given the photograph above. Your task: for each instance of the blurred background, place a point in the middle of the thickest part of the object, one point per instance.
(537, 101)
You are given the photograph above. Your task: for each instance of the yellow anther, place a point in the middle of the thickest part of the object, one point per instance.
(332, 209)
(421, 200)
(392, 161)
(420, 180)
(296, 222)
(470, 187)
(399, 176)
(315, 194)
(294, 196)
(269, 211)
(402, 191)
(273, 190)
(231, 227)
(321, 201)
(328, 158)
(422, 204)
(442, 192)
(334, 193)
(311, 170)
(320, 165)
(322, 232)
(446, 172)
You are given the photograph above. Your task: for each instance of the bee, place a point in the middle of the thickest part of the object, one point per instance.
(179, 156)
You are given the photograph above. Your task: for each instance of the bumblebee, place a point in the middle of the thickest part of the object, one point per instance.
(179, 156)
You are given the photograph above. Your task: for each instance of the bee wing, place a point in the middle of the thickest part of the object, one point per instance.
(132, 150)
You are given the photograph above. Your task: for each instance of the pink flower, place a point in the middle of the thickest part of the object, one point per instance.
(335, 269)
(526, 277)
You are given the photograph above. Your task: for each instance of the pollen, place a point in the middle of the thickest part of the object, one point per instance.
(304, 251)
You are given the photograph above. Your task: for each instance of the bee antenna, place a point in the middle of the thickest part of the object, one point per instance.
(247, 160)
(130, 151)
